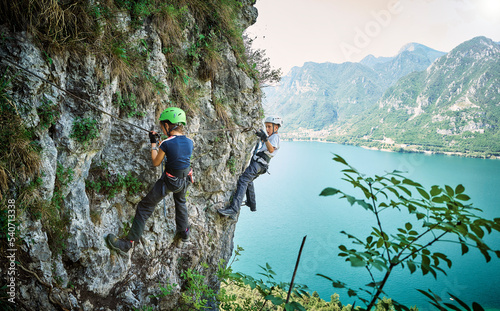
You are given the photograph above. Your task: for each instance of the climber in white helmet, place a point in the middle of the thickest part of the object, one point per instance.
(258, 165)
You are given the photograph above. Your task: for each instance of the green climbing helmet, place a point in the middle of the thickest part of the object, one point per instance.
(173, 115)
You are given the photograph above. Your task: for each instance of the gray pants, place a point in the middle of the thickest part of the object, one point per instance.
(147, 205)
(245, 185)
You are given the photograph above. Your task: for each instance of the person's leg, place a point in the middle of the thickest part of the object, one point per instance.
(145, 208)
(251, 202)
(143, 211)
(181, 213)
(251, 172)
(250, 193)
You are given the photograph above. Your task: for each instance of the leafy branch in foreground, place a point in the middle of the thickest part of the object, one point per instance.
(437, 302)
(440, 211)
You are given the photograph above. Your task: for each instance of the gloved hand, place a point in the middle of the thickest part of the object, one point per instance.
(152, 137)
(262, 135)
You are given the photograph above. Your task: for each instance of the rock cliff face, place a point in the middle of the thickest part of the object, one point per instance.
(84, 274)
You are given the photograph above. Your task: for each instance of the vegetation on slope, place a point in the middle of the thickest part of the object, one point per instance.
(106, 30)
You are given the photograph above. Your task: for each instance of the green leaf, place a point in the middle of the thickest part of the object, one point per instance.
(411, 266)
(463, 197)
(395, 181)
(324, 276)
(399, 307)
(405, 190)
(465, 248)
(396, 193)
(453, 307)
(477, 307)
(349, 170)
(426, 261)
(435, 190)
(366, 206)
(369, 239)
(380, 243)
(424, 193)
(374, 284)
(430, 295)
(485, 254)
(329, 191)
(356, 262)
(449, 191)
(462, 228)
(408, 226)
(366, 192)
(379, 265)
(277, 301)
(350, 199)
(477, 230)
(425, 269)
(250, 283)
(440, 199)
(292, 306)
(411, 183)
(339, 159)
(459, 189)
(463, 304)
(420, 216)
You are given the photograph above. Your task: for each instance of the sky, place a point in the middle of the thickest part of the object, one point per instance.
(297, 31)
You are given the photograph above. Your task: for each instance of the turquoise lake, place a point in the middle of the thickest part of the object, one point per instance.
(289, 207)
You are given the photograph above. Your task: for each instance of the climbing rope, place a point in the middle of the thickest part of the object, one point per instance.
(243, 130)
(74, 96)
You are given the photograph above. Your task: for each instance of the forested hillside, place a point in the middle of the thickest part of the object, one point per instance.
(453, 106)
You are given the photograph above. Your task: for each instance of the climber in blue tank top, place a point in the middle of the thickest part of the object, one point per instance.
(177, 150)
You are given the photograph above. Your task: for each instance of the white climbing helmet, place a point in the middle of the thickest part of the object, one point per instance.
(275, 120)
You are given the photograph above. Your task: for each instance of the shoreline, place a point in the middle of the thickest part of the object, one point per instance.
(405, 150)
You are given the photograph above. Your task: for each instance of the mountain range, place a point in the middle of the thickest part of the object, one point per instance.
(420, 99)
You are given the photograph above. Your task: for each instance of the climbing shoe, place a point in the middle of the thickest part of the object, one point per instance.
(122, 246)
(184, 235)
(228, 211)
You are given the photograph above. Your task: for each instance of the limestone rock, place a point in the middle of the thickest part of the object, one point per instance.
(86, 274)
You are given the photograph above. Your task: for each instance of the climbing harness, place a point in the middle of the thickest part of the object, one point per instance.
(262, 157)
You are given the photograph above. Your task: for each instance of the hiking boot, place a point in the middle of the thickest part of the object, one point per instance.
(228, 211)
(122, 246)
